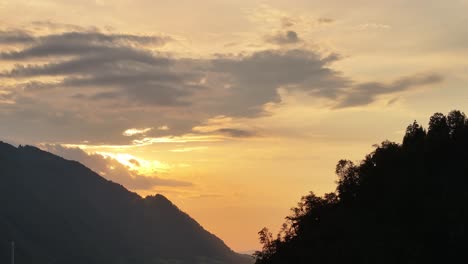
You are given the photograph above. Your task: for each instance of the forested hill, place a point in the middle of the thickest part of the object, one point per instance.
(404, 203)
(58, 211)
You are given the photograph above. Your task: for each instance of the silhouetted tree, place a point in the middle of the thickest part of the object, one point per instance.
(438, 133)
(456, 123)
(402, 204)
(415, 136)
(348, 180)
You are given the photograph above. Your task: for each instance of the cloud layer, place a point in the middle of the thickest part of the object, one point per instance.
(99, 84)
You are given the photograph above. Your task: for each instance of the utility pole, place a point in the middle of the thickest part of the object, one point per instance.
(12, 252)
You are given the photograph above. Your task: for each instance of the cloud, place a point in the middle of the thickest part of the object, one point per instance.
(236, 133)
(366, 93)
(15, 37)
(92, 85)
(134, 162)
(256, 78)
(188, 149)
(284, 38)
(6, 97)
(90, 59)
(114, 170)
(287, 22)
(325, 20)
(135, 131)
(228, 127)
(136, 76)
(55, 26)
(373, 26)
(106, 61)
(75, 43)
(187, 138)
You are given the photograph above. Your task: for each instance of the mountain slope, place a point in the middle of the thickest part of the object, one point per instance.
(59, 211)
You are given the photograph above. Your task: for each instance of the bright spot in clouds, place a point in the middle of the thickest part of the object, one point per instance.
(135, 131)
(178, 139)
(189, 149)
(142, 166)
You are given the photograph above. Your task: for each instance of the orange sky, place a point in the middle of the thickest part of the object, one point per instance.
(232, 109)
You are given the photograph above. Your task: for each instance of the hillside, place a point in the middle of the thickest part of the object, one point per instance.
(59, 211)
(404, 203)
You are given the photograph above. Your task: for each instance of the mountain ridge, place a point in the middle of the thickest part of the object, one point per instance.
(59, 210)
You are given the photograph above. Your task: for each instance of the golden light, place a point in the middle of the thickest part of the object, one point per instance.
(142, 166)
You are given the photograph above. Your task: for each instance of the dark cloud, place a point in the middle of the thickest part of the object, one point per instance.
(138, 76)
(90, 85)
(99, 96)
(100, 60)
(366, 93)
(255, 79)
(284, 38)
(15, 37)
(135, 162)
(82, 43)
(113, 170)
(54, 26)
(134, 73)
(236, 133)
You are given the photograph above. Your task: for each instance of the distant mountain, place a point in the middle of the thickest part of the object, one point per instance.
(59, 211)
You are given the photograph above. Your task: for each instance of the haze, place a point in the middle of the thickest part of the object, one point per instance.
(231, 109)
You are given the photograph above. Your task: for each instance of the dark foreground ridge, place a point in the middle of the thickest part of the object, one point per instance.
(58, 211)
(404, 203)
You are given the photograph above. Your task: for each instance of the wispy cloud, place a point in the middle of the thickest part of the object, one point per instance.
(135, 131)
(236, 133)
(373, 26)
(189, 138)
(188, 149)
(283, 38)
(366, 93)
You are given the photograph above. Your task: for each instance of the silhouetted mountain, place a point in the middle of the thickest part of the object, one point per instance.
(404, 203)
(59, 211)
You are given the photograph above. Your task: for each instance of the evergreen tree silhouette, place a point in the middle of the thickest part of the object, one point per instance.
(404, 203)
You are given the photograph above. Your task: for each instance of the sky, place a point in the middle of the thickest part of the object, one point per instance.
(233, 109)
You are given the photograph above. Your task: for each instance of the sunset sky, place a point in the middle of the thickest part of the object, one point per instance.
(233, 109)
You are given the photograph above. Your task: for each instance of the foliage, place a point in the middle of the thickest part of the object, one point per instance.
(404, 203)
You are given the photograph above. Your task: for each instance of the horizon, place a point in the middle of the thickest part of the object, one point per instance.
(239, 107)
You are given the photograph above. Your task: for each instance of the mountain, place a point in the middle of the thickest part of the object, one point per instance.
(59, 211)
(404, 203)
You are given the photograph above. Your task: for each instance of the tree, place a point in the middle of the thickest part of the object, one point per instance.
(414, 136)
(348, 180)
(438, 133)
(456, 121)
(402, 204)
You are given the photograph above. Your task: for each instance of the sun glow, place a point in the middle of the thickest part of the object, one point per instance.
(142, 166)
